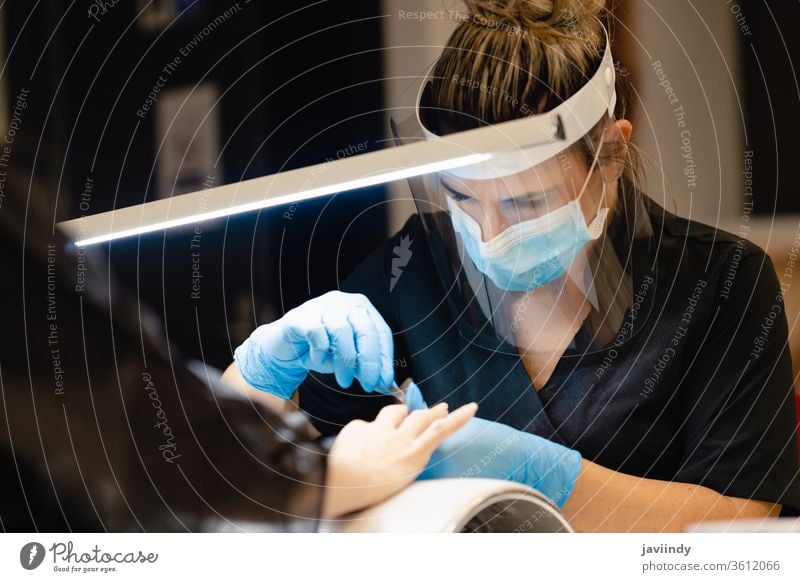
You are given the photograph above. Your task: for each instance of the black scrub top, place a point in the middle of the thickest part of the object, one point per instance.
(697, 387)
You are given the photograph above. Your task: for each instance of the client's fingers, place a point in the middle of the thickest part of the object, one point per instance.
(419, 420)
(392, 415)
(442, 428)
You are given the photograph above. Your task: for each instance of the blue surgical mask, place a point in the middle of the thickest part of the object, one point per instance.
(531, 253)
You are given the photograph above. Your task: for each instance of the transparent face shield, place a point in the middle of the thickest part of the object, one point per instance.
(533, 244)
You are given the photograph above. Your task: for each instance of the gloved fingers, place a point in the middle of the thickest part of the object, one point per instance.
(386, 343)
(419, 420)
(342, 349)
(368, 363)
(316, 337)
(438, 430)
(392, 415)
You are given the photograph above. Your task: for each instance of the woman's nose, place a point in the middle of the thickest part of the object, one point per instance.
(493, 222)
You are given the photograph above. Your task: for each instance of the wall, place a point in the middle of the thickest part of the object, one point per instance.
(689, 117)
(411, 46)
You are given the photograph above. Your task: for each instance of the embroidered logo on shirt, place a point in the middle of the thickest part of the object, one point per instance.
(402, 255)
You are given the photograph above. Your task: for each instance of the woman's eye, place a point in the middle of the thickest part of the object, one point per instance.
(460, 197)
(524, 203)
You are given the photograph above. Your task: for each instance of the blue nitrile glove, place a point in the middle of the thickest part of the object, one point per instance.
(483, 448)
(338, 332)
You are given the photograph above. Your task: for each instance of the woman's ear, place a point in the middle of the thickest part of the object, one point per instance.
(617, 132)
(615, 149)
(625, 128)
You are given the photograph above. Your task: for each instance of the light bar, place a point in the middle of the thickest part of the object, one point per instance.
(361, 171)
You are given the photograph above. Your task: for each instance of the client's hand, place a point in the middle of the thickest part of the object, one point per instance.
(371, 461)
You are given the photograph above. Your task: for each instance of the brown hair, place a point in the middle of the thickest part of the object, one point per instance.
(526, 57)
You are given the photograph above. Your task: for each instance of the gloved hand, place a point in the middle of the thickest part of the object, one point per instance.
(337, 332)
(493, 450)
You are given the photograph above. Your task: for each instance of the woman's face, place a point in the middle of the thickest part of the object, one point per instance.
(499, 203)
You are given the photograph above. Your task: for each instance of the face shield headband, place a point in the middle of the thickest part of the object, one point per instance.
(577, 116)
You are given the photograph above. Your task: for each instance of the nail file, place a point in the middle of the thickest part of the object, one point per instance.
(399, 392)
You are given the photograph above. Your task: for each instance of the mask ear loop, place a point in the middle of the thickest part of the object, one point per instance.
(591, 171)
(599, 214)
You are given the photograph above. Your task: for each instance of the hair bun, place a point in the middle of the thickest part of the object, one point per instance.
(533, 13)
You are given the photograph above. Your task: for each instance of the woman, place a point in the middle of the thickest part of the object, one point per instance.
(545, 286)
(105, 428)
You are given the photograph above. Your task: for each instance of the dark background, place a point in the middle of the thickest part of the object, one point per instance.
(772, 90)
(283, 107)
